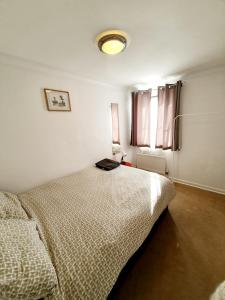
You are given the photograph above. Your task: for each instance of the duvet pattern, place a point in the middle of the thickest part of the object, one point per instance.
(93, 221)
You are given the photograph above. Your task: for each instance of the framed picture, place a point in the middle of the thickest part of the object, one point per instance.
(57, 100)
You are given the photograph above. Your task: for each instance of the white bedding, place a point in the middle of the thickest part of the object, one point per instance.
(93, 221)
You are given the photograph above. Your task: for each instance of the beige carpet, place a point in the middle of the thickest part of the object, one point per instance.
(184, 256)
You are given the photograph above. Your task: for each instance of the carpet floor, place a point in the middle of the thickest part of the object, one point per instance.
(183, 258)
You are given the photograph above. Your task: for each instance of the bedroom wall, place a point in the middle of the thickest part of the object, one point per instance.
(201, 161)
(38, 145)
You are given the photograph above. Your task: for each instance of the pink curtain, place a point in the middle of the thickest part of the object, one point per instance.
(115, 123)
(168, 109)
(140, 127)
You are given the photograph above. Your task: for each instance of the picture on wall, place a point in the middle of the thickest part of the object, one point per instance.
(57, 100)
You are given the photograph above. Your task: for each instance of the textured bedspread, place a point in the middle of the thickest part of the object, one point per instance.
(93, 221)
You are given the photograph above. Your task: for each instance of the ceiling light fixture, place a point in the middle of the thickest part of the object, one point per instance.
(112, 42)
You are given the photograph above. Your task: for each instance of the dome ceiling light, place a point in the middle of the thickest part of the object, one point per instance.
(112, 42)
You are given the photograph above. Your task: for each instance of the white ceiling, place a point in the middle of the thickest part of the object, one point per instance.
(167, 37)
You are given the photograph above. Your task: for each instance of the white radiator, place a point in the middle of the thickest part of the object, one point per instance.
(151, 163)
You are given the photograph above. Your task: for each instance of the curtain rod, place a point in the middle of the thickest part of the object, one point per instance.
(145, 90)
(156, 89)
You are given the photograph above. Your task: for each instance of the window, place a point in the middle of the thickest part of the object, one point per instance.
(153, 118)
(153, 112)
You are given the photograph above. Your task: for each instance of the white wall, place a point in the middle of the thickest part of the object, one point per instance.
(201, 161)
(38, 145)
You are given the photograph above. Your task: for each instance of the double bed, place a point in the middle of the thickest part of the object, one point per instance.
(92, 222)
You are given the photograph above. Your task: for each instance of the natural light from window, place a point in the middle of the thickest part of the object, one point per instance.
(153, 117)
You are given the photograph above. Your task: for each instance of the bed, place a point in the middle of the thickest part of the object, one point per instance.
(93, 221)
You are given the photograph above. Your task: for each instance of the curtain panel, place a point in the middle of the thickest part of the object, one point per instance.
(140, 123)
(115, 123)
(167, 134)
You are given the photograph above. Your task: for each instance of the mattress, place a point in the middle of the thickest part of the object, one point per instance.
(93, 221)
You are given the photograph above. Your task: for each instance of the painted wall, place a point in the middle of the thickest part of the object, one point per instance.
(201, 161)
(38, 145)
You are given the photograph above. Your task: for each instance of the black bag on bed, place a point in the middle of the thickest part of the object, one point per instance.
(107, 164)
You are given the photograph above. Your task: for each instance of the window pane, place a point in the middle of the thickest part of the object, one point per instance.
(153, 118)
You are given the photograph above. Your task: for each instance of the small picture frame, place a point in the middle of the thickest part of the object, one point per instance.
(57, 100)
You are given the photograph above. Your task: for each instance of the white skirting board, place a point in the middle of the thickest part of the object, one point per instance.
(200, 186)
